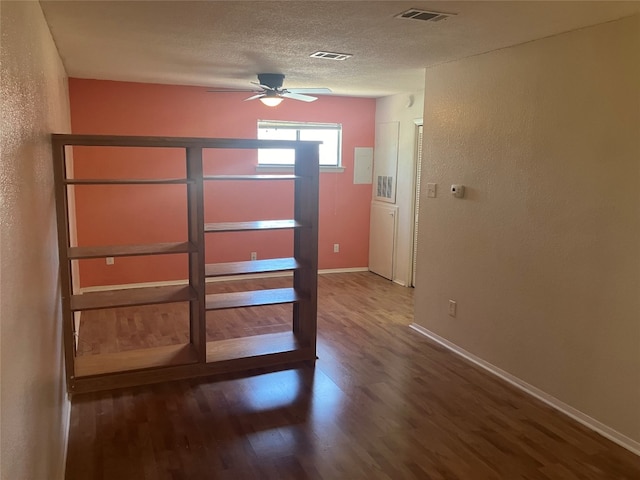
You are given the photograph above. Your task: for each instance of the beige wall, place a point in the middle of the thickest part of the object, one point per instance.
(543, 254)
(404, 109)
(34, 408)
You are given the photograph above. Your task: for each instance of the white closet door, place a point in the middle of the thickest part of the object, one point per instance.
(382, 236)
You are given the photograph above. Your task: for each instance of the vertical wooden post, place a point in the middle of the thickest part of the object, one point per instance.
(305, 279)
(66, 289)
(195, 205)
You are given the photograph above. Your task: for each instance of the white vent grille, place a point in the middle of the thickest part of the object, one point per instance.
(424, 15)
(331, 55)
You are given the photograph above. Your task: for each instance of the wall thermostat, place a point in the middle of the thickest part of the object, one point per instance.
(457, 191)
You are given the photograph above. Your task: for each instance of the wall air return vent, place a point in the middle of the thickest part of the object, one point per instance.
(425, 15)
(331, 55)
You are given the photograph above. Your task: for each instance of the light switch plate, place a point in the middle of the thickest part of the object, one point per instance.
(452, 308)
(432, 190)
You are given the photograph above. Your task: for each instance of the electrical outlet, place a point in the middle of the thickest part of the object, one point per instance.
(432, 189)
(452, 308)
(254, 255)
(110, 260)
(336, 248)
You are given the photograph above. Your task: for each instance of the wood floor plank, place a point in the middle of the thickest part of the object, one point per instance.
(382, 402)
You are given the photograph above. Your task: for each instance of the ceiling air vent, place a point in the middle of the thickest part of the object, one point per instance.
(331, 55)
(424, 15)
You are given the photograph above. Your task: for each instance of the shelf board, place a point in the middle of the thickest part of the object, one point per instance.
(132, 297)
(273, 296)
(252, 266)
(61, 139)
(86, 365)
(257, 225)
(245, 347)
(250, 177)
(130, 250)
(127, 181)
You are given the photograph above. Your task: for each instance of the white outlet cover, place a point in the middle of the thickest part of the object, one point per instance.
(457, 191)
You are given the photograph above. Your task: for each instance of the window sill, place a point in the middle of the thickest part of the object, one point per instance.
(289, 169)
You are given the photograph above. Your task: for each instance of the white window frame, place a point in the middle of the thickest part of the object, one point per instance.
(298, 126)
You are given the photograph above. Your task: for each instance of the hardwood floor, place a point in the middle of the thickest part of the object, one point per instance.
(383, 402)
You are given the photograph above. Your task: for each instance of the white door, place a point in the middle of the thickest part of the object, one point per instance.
(382, 236)
(382, 229)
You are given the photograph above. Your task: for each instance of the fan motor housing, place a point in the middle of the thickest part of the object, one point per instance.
(273, 80)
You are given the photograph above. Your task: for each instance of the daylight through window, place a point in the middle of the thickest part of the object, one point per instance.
(330, 134)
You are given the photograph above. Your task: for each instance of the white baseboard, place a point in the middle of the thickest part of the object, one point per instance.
(104, 288)
(591, 423)
(343, 270)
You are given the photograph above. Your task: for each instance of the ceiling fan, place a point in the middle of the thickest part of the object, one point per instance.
(271, 93)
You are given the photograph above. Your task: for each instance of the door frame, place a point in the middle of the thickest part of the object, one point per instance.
(417, 173)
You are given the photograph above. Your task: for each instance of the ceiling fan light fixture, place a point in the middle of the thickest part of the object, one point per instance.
(271, 99)
(270, 92)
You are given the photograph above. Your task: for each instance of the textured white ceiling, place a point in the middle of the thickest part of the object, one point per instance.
(226, 43)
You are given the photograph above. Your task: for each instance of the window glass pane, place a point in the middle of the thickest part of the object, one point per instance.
(329, 147)
(271, 156)
(328, 134)
(276, 133)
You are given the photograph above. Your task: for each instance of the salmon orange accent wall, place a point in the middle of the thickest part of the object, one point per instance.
(149, 213)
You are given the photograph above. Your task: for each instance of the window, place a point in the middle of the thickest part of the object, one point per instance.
(330, 134)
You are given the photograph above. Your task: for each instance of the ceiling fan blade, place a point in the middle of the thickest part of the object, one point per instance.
(318, 91)
(254, 97)
(298, 96)
(230, 90)
(264, 87)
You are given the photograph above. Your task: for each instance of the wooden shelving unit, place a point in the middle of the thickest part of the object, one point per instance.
(132, 297)
(127, 181)
(77, 253)
(274, 296)
(255, 225)
(250, 177)
(199, 357)
(265, 345)
(251, 267)
(158, 357)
